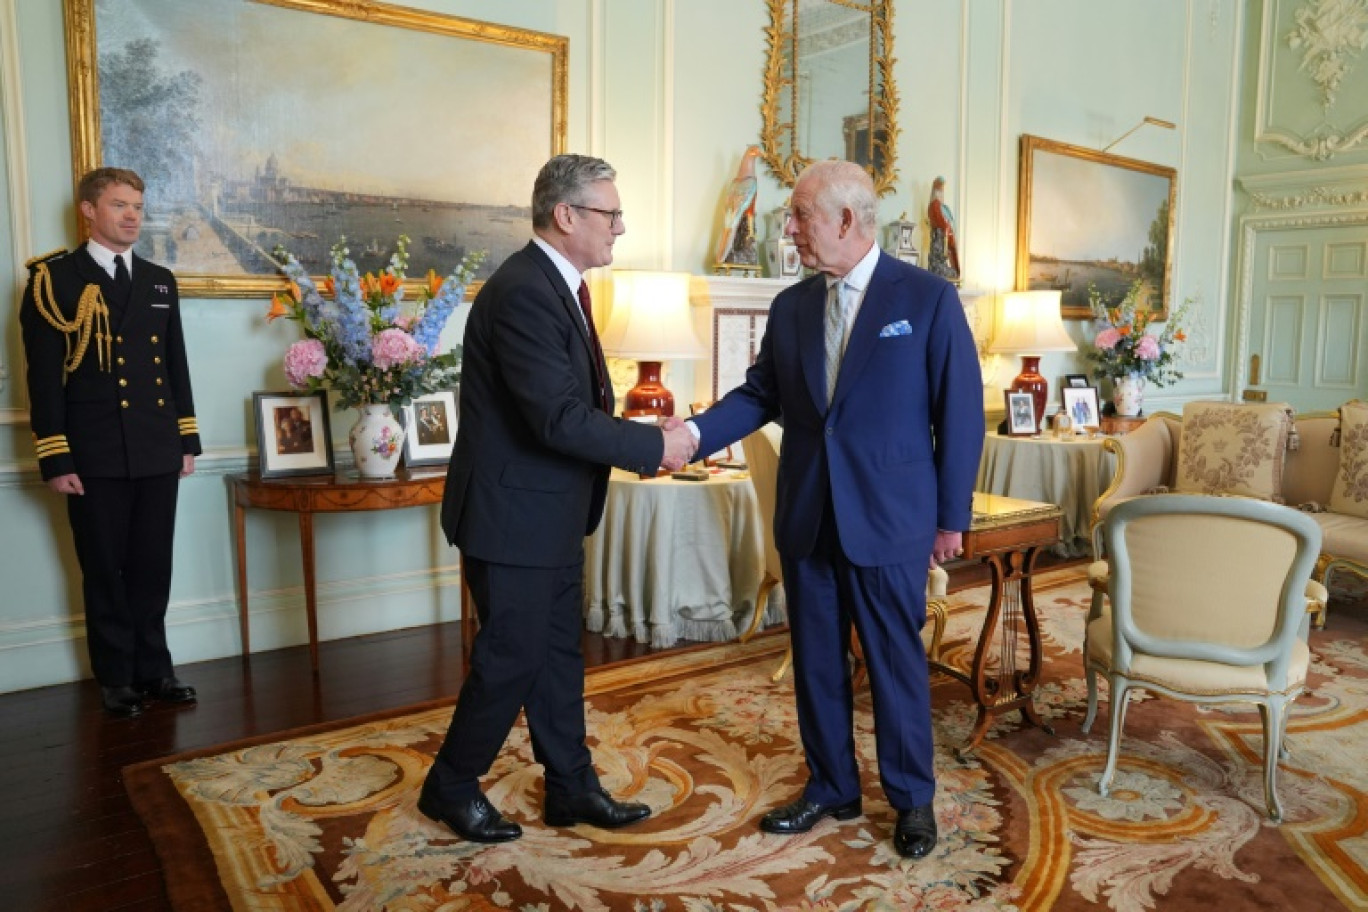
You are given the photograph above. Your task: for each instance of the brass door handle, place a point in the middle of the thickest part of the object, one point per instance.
(1253, 370)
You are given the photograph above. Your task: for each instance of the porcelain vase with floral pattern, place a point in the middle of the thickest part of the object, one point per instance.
(1128, 395)
(376, 441)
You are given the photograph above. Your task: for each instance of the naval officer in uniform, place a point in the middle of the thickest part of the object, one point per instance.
(114, 427)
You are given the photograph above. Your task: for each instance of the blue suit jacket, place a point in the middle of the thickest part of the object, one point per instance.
(899, 447)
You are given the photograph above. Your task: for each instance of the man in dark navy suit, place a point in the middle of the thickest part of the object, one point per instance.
(526, 484)
(872, 368)
(114, 426)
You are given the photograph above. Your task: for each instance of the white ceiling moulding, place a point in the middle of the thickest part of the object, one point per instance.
(1313, 77)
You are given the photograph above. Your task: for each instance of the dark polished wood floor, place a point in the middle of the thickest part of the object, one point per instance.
(69, 839)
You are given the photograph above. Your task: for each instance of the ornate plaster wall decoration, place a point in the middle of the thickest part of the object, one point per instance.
(1316, 196)
(1329, 33)
(4, 376)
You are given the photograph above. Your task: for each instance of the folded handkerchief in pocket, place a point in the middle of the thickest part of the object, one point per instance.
(899, 328)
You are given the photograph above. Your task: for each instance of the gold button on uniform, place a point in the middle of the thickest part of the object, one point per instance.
(159, 383)
(119, 339)
(124, 403)
(123, 381)
(156, 359)
(154, 340)
(121, 360)
(161, 402)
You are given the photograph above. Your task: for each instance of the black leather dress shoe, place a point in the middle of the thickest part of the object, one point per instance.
(597, 808)
(121, 701)
(167, 690)
(802, 815)
(915, 834)
(475, 820)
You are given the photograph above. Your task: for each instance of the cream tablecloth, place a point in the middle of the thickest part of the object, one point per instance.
(675, 560)
(1071, 473)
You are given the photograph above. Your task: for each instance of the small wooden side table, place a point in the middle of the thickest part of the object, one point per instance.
(310, 494)
(1007, 534)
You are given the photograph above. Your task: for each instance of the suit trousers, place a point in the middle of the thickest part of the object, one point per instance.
(124, 531)
(525, 657)
(826, 593)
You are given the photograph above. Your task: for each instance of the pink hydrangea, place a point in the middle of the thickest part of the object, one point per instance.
(303, 360)
(1147, 349)
(1106, 340)
(395, 348)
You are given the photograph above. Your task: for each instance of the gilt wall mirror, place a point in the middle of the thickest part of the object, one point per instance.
(829, 89)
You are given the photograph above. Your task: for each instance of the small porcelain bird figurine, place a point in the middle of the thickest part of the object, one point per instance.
(737, 246)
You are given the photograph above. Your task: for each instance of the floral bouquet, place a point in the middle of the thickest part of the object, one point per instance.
(368, 343)
(1123, 347)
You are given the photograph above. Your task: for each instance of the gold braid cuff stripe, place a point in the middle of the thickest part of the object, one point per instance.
(92, 317)
(188, 426)
(51, 446)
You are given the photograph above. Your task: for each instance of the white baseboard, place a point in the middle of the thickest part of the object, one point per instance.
(53, 651)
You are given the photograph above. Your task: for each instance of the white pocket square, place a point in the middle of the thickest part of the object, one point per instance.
(162, 306)
(899, 328)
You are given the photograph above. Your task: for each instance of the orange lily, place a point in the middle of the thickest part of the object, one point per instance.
(1180, 336)
(330, 286)
(280, 306)
(434, 283)
(367, 285)
(1124, 330)
(389, 283)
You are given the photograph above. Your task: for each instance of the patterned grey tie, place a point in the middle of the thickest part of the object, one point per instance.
(835, 334)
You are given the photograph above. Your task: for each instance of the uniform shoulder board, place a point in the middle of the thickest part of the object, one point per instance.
(51, 254)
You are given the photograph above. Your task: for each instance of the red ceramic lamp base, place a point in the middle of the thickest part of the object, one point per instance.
(649, 394)
(1031, 381)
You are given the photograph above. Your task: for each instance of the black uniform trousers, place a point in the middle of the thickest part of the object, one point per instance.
(525, 657)
(124, 530)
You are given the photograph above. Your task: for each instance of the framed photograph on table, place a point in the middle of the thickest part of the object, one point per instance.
(430, 429)
(1021, 418)
(1076, 381)
(293, 437)
(1080, 404)
(1127, 206)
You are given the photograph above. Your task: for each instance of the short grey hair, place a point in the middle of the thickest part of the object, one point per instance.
(845, 185)
(563, 180)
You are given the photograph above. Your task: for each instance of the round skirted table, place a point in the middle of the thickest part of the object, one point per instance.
(675, 560)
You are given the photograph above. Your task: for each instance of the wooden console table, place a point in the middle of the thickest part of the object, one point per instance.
(307, 495)
(1007, 534)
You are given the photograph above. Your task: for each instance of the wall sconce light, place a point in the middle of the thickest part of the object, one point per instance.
(650, 324)
(1151, 121)
(1029, 324)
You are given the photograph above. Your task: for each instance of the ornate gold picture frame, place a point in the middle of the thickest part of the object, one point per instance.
(258, 123)
(1088, 218)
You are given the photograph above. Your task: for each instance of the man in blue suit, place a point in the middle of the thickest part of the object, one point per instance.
(872, 368)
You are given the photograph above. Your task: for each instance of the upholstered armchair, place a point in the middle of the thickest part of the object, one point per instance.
(762, 459)
(1210, 602)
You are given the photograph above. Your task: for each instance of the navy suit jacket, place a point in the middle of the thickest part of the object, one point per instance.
(529, 472)
(899, 447)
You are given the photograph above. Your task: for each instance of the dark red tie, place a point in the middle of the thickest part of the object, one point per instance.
(588, 307)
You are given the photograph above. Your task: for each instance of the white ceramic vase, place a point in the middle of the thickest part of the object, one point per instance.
(1128, 395)
(376, 441)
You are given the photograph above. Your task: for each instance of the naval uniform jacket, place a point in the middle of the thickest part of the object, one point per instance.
(126, 410)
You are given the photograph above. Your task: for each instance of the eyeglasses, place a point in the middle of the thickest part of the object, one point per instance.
(614, 215)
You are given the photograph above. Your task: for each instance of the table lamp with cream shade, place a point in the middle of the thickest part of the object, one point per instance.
(1029, 324)
(651, 324)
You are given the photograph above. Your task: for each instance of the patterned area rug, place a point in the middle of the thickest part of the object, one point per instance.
(325, 818)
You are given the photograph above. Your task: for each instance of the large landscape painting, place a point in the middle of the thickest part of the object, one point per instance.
(1086, 218)
(294, 122)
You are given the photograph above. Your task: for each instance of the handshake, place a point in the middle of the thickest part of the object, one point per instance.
(680, 445)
